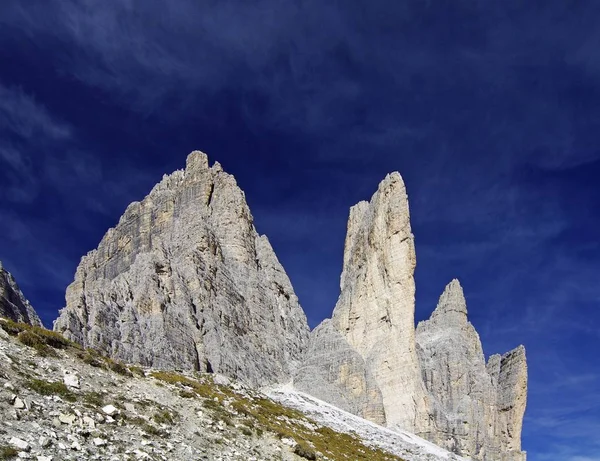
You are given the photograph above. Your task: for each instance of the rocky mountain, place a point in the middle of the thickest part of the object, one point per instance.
(13, 304)
(184, 281)
(432, 381)
(60, 402)
(375, 315)
(476, 410)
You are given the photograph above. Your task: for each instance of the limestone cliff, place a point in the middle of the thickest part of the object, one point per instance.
(509, 377)
(375, 310)
(434, 382)
(476, 411)
(13, 304)
(334, 372)
(184, 281)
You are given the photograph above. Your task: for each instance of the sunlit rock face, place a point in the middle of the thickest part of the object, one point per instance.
(476, 411)
(432, 381)
(373, 321)
(375, 310)
(184, 281)
(13, 305)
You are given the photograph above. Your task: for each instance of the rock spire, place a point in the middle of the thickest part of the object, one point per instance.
(432, 381)
(184, 281)
(465, 415)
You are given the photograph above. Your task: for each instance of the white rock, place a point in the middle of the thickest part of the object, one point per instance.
(99, 442)
(19, 404)
(110, 410)
(89, 422)
(189, 244)
(13, 304)
(44, 458)
(67, 419)
(19, 443)
(71, 380)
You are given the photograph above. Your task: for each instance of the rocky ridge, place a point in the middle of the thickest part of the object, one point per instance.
(432, 380)
(13, 305)
(70, 404)
(184, 281)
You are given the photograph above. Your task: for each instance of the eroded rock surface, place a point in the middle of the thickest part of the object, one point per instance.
(375, 310)
(435, 382)
(184, 281)
(476, 411)
(334, 372)
(13, 305)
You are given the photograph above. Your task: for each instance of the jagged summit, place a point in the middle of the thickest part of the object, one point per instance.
(13, 305)
(452, 301)
(375, 310)
(184, 281)
(196, 161)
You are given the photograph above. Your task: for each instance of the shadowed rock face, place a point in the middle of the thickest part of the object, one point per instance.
(13, 304)
(476, 411)
(334, 372)
(184, 281)
(375, 310)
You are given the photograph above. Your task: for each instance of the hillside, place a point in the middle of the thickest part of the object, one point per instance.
(61, 402)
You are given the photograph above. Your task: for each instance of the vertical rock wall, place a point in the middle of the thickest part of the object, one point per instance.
(433, 382)
(375, 310)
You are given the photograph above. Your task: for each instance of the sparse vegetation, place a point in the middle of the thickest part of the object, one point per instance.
(94, 399)
(137, 371)
(51, 388)
(117, 367)
(251, 414)
(264, 414)
(91, 357)
(163, 417)
(29, 338)
(42, 340)
(305, 452)
(7, 452)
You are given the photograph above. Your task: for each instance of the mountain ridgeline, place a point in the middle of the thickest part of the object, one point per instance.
(184, 281)
(13, 305)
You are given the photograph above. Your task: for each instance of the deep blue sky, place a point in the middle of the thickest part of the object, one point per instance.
(490, 111)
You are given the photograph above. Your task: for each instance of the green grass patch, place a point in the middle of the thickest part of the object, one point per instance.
(37, 337)
(94, 399)
(91, 357)
(137, 371)
(51, 388)
(30, 339)
(117, 367)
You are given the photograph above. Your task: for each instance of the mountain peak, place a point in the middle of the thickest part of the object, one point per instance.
(451, 300)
